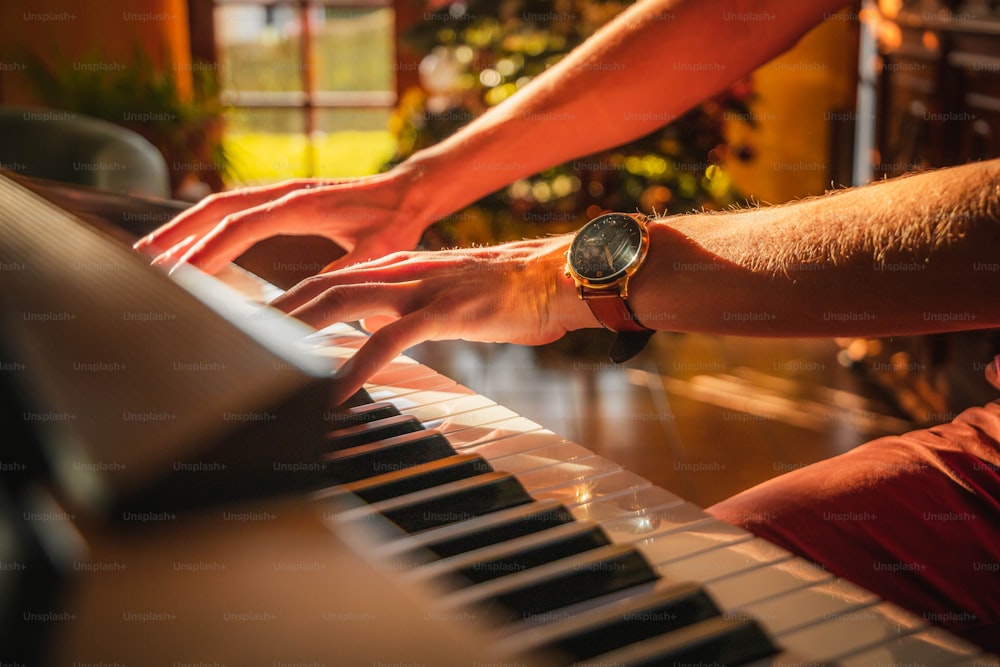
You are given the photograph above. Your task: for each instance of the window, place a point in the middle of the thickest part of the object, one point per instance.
(309, 84)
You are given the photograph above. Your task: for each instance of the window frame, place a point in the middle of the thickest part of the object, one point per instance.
(309, 101)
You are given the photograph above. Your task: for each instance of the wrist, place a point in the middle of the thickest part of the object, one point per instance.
(565, 305)
(652, 288)
(436, 184)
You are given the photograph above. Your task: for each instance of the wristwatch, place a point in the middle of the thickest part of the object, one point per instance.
(604, 254)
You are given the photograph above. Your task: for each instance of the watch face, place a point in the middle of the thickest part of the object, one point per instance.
(606, 247)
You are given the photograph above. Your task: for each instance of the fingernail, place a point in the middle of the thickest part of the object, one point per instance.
(993, 372)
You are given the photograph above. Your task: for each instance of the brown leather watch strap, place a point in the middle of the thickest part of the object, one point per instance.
(611, 310)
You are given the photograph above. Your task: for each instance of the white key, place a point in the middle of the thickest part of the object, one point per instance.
(724, 561)
(765, 582)
(812, 605)
(470, 440)
(635, 505)
(698, 538)
(852, 632)
(930, 647)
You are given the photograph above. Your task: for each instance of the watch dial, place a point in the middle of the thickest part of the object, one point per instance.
(605, 247)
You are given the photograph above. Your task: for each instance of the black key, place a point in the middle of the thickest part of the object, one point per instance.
(523, 553)
(565, 582)
(398, 453)
(358, 398)
(715, 641)
(449, 503)
(372, 432)
(417, 478)
(633, 620)
(362, 414)
(490, 529)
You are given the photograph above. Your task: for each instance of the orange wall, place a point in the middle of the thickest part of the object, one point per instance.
(89, 33)
(797, 95)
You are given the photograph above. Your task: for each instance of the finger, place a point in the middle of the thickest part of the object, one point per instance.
(171, 257)
(305, 291)
(382, 347)
(204, 215)
(386, 270)
(350, 303)
(233, 236)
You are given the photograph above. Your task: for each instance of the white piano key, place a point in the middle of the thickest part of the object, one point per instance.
(345, 340)
(420, 399)
(418, 382)
(469, 440)
(539, 458)
(765, 582)
(443, 405)
(333, 332)
(638, 503)
(851, 632)
(655, 521)
(724, 561)
(581, 469)
(339, 354)
(929, 648)
(494, 448)
(472, 419)
(698, 538)
(812, 605)
(603, 484)
(335, 354)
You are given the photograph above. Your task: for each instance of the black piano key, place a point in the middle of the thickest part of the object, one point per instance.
(614, 626)
(419, 477)
(397, 453)
(358, 398)
(714, 641)
(498, 527)
(372, 432)
(525, 553)
(449, 503)
(362, 414)
(565, 582)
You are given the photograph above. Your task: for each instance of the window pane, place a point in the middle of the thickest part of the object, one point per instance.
(352, 142)
(259, 48)
(352, 48)
(266, 145)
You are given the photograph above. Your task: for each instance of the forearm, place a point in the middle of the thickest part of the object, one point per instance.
(913, 255)
(646, 67)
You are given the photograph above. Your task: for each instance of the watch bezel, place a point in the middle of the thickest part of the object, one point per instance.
(621, 275)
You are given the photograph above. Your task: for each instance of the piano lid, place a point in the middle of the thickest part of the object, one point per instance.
(133, 381)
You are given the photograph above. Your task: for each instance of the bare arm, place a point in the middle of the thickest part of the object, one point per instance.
(912, 255)
(646, 67)
(649, 65)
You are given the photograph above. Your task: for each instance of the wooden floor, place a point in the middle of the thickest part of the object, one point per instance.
(702, 416)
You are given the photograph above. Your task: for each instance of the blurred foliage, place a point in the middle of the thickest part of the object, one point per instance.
(185, 128)
(478, 53)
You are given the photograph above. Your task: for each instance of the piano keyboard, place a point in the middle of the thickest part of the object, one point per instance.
(577, 559)
(572, 559)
